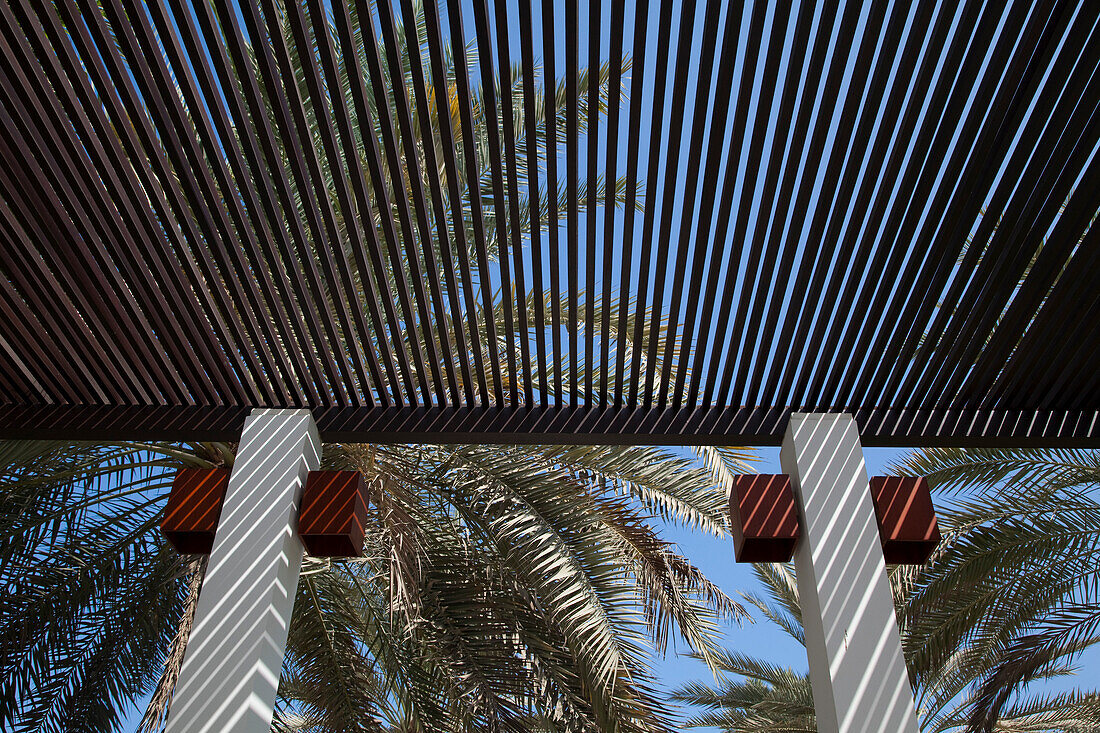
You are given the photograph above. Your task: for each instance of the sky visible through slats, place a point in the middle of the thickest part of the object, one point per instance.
(812, 177)
(789, 236)
(720, 351)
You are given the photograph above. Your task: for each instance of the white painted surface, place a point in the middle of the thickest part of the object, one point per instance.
(857, 669)
(230, 672)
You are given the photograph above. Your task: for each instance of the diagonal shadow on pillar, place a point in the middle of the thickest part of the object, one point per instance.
(857, 668)
(230, 673)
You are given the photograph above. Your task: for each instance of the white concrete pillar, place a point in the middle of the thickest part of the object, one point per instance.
(230, 672)
(857, 669)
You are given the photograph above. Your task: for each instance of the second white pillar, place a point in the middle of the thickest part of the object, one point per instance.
(857, 669)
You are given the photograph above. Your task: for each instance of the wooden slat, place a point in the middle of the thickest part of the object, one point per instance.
(866, 207)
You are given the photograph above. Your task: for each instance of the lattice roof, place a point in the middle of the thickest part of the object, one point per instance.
(883, 210)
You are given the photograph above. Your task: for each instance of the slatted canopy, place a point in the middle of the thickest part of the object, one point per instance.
(866, 207)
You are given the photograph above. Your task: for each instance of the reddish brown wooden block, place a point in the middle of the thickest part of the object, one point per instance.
(194, 507)
(763, 518)
(333, 513)
(906, 519)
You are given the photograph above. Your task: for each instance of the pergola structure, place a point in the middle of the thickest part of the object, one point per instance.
(830, 226)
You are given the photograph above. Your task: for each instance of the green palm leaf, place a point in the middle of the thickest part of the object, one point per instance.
(1010, 597)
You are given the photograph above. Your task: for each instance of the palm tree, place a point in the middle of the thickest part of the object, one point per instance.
(1011, 596)
(519, 587)
(512, 588)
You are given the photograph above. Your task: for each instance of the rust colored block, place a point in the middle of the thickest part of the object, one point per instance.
(906, 519)
(333, 513)
(763, 518)
(194, 507)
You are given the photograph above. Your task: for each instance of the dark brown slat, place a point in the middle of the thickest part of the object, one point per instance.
(267, 69)
(637, 75)
(500, 205)
(47, 130)
(473, 184)
(279, 200)
(553, 219)
(361, 210)
(72, 379)
(32, 282)
(432, 168)
(999, 293)
(614, 134)
(164, 224)
(454, 192)
(1033, 351)
(615, 81)
(1062, 334)
(1055, 262)
(559, 426)
(572, 176)
(511, 166)
(79, 189)
(1077, 384)
(10, 392)
(684, 53)
(17, 384)
(592, 134)
(996, 273)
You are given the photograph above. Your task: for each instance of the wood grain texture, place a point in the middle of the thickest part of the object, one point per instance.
(333, 513)
(764, 518)
(906, 519)
(193, 509)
